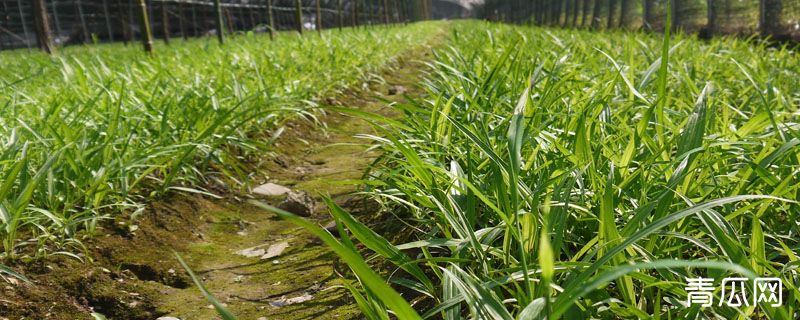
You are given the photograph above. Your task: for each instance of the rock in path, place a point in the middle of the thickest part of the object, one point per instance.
(285, 302)
(271, 190)
(275, 250)
(299, 203)
(331, 227)
(393, 90)
(256, 251)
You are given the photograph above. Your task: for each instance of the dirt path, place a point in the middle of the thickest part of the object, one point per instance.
(312, 159)
(135, 275)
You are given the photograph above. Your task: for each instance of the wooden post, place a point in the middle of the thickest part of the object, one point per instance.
(298, 16)
(181, 21)
(195, 30)
(319, 19)
(370, 13)
(165, 22)
(397, 11)
(403, 11)
(108, 21)
(339, 14)
(241, 25)
(42, 26)
(386, 12)
(147, 37)
(355, 14)
(218, 20)
(131, 17)
(229, 19)
(252, 18)
(270, 20)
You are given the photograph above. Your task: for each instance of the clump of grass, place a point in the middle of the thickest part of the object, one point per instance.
(100, 129)
(566, 174)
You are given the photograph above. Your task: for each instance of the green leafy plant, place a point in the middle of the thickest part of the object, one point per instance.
(98, 130)
(567, 174)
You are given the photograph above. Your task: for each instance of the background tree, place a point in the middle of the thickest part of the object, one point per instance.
(612, 5)
(647, 14)
(585, 12)
(712, 14)
(596, 9)
(625, 13)
(770, 17)
(567, 6)
(575, 12)
(42, 26)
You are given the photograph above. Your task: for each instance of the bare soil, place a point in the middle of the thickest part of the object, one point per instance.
(133, 273)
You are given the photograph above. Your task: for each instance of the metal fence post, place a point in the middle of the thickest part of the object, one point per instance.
(270, 20)
(108, 21)
(218, 20)
(181, 21)
(165, 22)
(319, 19)
(147, 37)
(298, 16)
(82, 21)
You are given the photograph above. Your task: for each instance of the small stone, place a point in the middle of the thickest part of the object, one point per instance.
(332, 228)
(168, 318)
(262, 318)
(299, 203)
(256, 251)
(271, 190)
(393, 90)
(285, 302)
(301, 170)
(332, 102)
(275, 250)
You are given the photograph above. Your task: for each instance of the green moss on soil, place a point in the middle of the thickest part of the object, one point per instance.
(136, 275)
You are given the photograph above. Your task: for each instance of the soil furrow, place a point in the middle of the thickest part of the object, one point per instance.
(136, 276)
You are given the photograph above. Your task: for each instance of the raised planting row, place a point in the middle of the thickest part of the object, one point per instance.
(562, 173)
(99, 130)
